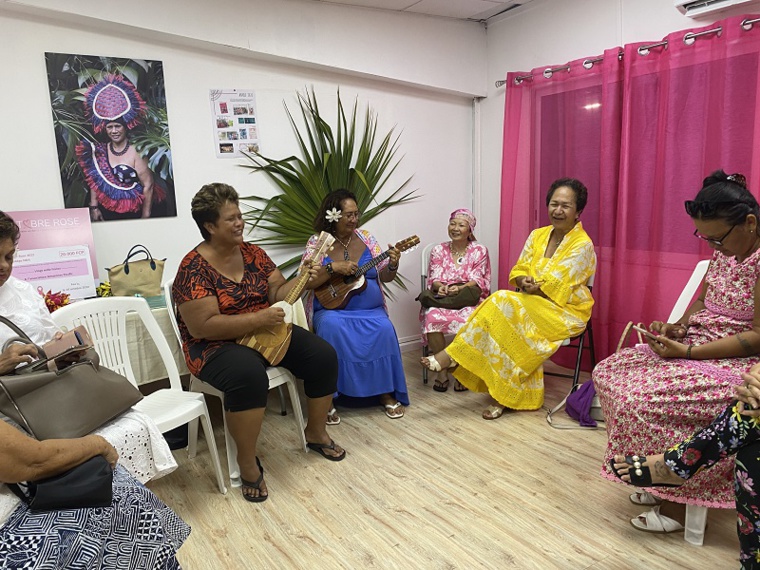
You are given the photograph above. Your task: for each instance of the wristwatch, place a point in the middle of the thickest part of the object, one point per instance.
(329, 268)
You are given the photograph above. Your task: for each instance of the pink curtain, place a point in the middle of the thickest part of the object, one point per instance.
(641, 128)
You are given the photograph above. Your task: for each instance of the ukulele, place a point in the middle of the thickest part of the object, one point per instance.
(273, 342)
(338, 290)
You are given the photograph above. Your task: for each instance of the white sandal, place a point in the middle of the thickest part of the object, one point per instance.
(653, 521)
(644, 499)
(389, 408)
(433, 364)
(333, 413)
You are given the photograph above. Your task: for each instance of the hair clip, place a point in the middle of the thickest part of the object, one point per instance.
(738, 179)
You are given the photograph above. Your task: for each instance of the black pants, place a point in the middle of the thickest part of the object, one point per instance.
(241, 372)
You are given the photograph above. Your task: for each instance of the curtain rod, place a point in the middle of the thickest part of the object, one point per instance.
(688, 39)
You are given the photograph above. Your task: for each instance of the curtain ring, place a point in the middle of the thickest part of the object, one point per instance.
(643, 50)
(548, 72)
(588, 64)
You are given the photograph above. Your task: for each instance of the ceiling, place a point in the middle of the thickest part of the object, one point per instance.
(458, 9)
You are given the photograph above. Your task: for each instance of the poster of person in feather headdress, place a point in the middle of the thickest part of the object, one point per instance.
(112, 133)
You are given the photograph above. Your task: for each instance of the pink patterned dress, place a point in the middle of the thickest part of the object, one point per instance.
(652, 403)
(475, 266)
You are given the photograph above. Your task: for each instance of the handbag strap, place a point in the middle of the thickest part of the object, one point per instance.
(626, 332)
(16, 488)
(137, 250)
(557, 408)
(21, 415)
(21, 336)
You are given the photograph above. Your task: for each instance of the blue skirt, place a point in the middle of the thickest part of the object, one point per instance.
(369, 358)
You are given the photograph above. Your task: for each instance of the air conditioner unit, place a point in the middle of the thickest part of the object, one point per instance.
(705, 8)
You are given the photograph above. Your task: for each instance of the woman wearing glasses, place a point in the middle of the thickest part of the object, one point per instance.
(370, 368)
(657, 395)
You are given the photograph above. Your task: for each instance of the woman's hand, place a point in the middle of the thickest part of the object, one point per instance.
(530, 286)
(109, 453)
(393, 256)
(16, 354)
(96, 215)
(668, 329)
(748, 393)
(453, 290)
(666, 347)
(269, 317)
(345, 267)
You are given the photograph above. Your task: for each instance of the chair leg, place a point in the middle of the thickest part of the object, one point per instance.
(283, 411)
(590, 332)
(696, 521)
(295, 401)
(211, 441)
(192, 438)
(232, 464)
(425, 352)
(578, 360)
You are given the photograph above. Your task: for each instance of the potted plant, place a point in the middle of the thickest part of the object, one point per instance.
(346, 157)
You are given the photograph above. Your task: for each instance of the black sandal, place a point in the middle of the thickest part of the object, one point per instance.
(320, 448)
(639, 474)
(255, 485)
(439, 386)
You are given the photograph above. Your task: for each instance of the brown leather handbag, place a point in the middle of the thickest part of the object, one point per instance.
(66, 403)
(467, 297)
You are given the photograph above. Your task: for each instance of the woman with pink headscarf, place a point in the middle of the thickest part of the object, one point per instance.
(454, 264)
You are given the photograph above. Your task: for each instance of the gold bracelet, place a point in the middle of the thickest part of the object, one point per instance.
(688, 352)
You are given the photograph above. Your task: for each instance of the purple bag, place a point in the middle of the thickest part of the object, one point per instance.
(578, 405)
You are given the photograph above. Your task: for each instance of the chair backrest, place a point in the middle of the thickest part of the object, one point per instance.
(425, 262)
(684, 300)
(106, 320)
(170, 308)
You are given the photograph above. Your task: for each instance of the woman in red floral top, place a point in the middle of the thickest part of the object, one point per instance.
(224, 289)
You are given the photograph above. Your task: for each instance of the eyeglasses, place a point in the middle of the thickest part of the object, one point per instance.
(352, 216)
(715, 241)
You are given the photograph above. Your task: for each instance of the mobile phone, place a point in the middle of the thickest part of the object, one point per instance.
(645, 332)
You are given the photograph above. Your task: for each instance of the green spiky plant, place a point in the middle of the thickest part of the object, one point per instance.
(347, 157)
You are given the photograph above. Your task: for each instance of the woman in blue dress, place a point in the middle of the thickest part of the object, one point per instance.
(370, 368)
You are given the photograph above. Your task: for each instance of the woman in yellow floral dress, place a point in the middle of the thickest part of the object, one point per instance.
(502, 347)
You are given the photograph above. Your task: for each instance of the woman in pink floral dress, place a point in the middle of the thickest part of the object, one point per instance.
(461, 261)
(655, 395)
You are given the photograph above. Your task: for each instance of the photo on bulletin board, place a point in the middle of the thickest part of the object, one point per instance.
(112, 134)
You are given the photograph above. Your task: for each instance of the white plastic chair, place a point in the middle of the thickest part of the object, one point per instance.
(106, 320)
(696, 516)
(277, 377)
(425, 262)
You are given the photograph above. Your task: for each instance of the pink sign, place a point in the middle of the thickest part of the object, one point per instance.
(41, 229)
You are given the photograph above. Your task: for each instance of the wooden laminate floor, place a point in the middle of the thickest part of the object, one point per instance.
(439, 489)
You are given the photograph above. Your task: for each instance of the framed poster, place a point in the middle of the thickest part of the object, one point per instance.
(112, 134)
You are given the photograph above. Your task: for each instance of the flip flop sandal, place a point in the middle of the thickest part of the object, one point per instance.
(392, 408)
(333, 413)
(320, 448)
(653, 521)
(493, 412)
(644, 499)
(439, 386)
(255, 485)
(640, 475)
(459, 387)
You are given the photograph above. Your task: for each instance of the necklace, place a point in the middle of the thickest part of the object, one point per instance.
(458, 256)
(345, 245)
(120, 152)
(558, 240)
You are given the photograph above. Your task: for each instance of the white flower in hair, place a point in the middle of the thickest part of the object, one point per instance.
(333, 215)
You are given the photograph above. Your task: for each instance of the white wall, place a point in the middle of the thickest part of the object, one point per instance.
(435, 123)
(553, 32)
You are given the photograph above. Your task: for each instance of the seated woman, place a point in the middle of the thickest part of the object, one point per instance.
(502, 347)
(224, 290)
(455, 264)
(368, 352)
(733, 432)
(655, 395)
(140, 531)
(143, 449)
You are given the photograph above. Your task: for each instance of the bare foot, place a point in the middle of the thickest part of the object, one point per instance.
(333, 419)
(654, 464)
